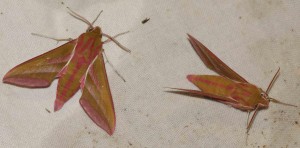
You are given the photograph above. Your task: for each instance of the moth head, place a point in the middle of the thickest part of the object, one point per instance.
(89, 29)
(265, 99)
(265, 96)
(96, 30)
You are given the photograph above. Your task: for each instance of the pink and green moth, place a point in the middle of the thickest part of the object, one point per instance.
(230, 88)
(77, 64)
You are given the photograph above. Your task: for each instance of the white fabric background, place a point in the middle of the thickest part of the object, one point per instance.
(253, 37)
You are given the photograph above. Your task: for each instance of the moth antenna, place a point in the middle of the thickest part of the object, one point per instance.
(269, 87)
(273, 80)
(52, 38)
(117, 43)
(113, 67)
(279, 102)
(115, 36)
(79, 17)
(97, 17)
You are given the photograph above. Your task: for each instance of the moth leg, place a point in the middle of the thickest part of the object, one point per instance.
(115, 36)
(252, 118)
(52, 38)
(248, 117)
(247, 134)
(116, 42)
(113, 67)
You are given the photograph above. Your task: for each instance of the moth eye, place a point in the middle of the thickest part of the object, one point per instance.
(89, 29)
(264, 95)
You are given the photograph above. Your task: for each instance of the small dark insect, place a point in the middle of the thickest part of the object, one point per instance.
(145, 20)
(47, 110)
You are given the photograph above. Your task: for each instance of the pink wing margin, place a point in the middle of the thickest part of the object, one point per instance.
(203, 94)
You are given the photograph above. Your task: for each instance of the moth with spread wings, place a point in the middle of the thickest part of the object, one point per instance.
(78, 64)
(229, 88)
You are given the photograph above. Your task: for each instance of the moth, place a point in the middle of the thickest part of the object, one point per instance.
(77, 64)
(230, 88)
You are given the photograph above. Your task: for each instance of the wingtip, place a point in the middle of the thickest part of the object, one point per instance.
(190, 37)
(4, 80)
(193, 42)
(110, 132)
(8, 81)
(191, 78)
(172, 88)
(108, 127)
(25, 82)
(58, 104)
